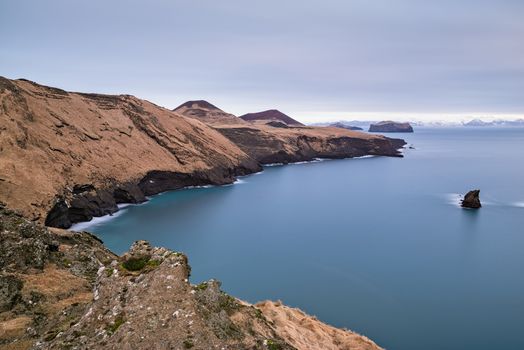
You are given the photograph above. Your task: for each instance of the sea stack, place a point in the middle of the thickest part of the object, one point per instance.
(390, 126)
(472, 200)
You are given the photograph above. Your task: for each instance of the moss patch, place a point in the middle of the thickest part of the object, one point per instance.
(153, 263)
(273, 345)
(135, 264)
(113, 327)
(201, 286)
(188, 344)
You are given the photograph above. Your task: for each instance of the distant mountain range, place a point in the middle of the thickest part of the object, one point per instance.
(497, 122)
(364, 124)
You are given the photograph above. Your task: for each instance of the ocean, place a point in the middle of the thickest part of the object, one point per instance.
(377, 245)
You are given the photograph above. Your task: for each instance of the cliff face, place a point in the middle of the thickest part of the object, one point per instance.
(67, 157)
(269, 144)
(277, 138)
(78, 155)
(61, 290)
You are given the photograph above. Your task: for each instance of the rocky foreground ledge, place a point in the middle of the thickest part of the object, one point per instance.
(65, 290)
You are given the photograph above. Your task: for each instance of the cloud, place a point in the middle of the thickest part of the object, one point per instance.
(342, 56)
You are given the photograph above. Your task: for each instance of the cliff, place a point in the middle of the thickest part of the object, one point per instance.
(76, 155)
(390, 126)
(268, 144)
(67, 157)
(273, 138)
(61, 290)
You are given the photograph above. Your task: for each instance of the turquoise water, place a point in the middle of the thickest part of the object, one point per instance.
(377, 245)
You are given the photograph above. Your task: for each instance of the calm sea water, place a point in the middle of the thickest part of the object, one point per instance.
(377, 245)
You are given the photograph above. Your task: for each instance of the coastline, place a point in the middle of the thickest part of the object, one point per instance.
(81, 226)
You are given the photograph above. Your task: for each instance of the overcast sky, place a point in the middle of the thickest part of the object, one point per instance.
(312, 59)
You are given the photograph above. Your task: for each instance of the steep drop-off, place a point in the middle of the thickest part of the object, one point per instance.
(68, 157)
(79, 155)
(285, 140)
(64, 290)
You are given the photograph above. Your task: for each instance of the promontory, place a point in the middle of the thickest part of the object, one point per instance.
(67, 157)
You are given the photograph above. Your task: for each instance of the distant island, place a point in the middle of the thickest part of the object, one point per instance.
(390, 126)
(342, 125)
(471, 123)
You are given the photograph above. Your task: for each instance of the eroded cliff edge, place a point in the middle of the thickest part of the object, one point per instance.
(67, 157)
(60, 289)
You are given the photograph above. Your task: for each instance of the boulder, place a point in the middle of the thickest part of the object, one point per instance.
(472, 200)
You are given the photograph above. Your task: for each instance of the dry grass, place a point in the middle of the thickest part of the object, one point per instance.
(14, 327)
(54, 283)
(307, 333)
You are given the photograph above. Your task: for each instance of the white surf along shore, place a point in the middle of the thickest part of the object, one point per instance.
(86, 225)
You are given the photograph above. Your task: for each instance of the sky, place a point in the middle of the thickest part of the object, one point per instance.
(316, 60)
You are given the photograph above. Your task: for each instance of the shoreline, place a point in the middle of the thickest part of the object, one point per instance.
(81, 226)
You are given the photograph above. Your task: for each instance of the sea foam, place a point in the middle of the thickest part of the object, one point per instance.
(85, 225)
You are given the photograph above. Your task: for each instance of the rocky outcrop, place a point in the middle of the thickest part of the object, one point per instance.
(46, 279)
(390, 126)
(472, 200)
(271, 114)
(62, 290)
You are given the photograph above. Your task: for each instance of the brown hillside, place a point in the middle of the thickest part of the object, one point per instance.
(67, 157)
(52, 140)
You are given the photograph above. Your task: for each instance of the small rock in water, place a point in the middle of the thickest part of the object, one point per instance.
(472, 200)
